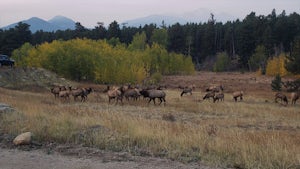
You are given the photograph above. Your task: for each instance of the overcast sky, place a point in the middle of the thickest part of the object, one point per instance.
(89, 12)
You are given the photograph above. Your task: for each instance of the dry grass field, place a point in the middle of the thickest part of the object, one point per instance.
(253, 133)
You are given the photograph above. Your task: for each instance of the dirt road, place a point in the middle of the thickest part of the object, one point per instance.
(39, 159)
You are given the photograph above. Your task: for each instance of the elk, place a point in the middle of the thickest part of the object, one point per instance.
(295, 97)
(82, 92)
(209, 95)
(186, 90)
(132, 93)
(56, 89)
(218, 97)
(238, 94)
(153, 94)
(215, 88)
(64, 94)
(115, 93)
(282, 97)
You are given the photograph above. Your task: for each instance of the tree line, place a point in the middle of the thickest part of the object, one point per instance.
(239, 40)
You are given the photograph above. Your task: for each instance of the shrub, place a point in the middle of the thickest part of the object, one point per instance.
(276, 65)
(222, 62)
(258, 60)
(276, 83)
(156, 78)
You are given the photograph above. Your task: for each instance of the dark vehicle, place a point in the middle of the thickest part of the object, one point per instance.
(5, 60)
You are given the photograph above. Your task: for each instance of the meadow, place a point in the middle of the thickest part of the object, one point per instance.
(253, 133)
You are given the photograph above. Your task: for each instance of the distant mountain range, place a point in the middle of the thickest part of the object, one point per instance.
(200, 15)
(62, 23)
(54, 24)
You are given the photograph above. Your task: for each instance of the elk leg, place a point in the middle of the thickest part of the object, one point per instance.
(160, 99)
(182, 93)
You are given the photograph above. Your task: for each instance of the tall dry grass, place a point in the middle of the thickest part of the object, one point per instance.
(249, 134)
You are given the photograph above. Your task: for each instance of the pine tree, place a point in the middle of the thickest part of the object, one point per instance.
(276, 83)
(292, 65)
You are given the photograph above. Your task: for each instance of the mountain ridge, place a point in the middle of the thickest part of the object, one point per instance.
(196, 16)
(56, 23)
(63, 23)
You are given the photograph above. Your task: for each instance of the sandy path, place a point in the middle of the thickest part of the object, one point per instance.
(38, 159)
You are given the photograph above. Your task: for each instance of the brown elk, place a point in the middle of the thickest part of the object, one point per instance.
(82, 92)
(218, 97)
(132, 93)
(144, 93)
(186, 90)
(56, 89)
(209, 95)
(294, 97)
(86, 92)
(153, 94)
(215, 88)
(115, 93)
(282, 98)
(75, 93)
(238, 94)
(64, 94)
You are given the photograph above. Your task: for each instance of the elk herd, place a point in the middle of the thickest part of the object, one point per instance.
(64, 93)
(129, 92)
(134, 93)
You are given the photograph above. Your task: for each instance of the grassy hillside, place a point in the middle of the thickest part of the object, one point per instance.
(30, 79)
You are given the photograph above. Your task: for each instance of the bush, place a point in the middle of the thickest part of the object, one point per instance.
(276, 83)
(276, 65)
(155, 78)
(222, 62)
(258, 60)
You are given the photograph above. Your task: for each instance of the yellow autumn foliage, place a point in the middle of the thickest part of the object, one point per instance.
(98, 61)
(276, 65)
